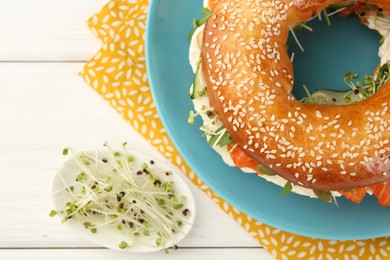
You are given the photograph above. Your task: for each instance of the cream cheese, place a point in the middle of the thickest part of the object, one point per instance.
(382, 26)
(195, 46)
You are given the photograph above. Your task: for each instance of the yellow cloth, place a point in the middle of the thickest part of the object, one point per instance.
(118, 73)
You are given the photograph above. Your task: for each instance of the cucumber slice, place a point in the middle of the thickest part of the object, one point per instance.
(198, 89)
(333, 97)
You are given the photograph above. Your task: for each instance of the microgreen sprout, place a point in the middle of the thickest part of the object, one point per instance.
(109, 192)
(197, 23)
(360, 90)
(52, 213)
(348, 79)
(336, 12)
(292, 57)
(324, 196)
(233, 147)
(305, 25)
(353, 191)
(123, 245)
(219, 137)
(326, 17)
(372, 83)
(265, 171)
(296, 39)
(318, 15)
(342, 5)
(203, 111)
(309, 98)
(191, 118)
(65, 151)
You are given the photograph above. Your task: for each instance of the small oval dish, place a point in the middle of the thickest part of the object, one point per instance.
(122, 199)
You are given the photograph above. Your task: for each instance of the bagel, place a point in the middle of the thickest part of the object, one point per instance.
(249, 79)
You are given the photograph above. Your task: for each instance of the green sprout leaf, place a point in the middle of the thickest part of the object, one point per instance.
(326, 17)
(342, 5)
(222, 142)
(353, 191)
(287, 188)
(304, 26)
(123, 245)
(191, 118)
(198, 23)
(52, 213)
(265, 170)
(324, 195)
(65, 151)
(221, 137)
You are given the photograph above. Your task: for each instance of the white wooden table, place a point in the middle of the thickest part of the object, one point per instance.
(45, 106)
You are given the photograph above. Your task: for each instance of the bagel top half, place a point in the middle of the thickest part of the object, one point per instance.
(249, 78)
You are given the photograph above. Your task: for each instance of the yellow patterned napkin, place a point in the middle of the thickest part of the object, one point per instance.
(118, 73)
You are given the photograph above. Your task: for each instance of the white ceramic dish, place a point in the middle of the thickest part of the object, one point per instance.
(109, 237)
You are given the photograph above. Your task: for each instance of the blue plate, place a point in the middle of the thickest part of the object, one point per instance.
(170, 77)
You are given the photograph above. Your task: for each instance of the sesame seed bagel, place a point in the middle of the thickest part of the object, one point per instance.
(249, 78)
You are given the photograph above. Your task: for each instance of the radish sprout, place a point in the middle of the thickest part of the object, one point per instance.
(116, 191)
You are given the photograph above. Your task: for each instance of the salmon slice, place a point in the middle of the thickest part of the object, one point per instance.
(212, 4)
(242, 160)
(356, 195)
(382, 192)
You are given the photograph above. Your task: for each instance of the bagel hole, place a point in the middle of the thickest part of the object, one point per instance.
(330, 52)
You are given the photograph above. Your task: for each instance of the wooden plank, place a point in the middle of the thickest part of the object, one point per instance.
(47, 30)
(43, 108)
(103, 254)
